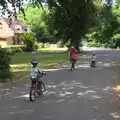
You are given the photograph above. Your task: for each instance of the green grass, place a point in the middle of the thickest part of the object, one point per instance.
(46, 60)
(52, 49)
(21, 63)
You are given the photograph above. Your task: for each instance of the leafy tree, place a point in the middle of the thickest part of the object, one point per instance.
(4, 64)
(37, 20)
(29, 41)
(71, 19)
(108, 26)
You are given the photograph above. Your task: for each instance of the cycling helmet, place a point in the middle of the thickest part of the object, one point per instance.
(34, 61)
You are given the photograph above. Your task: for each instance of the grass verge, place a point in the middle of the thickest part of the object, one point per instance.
(21, 62)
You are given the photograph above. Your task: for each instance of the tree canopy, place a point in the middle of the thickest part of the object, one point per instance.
(108, 29)
(37, 19)
(71, 20)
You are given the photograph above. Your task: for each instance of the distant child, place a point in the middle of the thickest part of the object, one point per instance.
(93, 62)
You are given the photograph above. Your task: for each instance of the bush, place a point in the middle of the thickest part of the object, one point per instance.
(41, 45)
(29, 41)
(115, 41)
(93, 44)
(4, 63)
(36, 45)
(14, 49)
(60, 44)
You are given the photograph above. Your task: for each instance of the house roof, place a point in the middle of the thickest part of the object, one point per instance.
(14, 23)
(4, 37)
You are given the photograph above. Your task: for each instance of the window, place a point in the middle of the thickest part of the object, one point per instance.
(25, 29)
(1, 26)
(18, 29)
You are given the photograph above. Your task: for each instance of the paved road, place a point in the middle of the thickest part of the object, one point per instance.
(84, 94)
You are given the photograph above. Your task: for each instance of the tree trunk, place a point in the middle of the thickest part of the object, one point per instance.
(76, 40)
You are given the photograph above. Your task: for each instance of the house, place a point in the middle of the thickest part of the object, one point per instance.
(10, 31)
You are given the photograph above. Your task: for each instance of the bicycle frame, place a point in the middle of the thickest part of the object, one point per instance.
(35, 90)
(35, 87)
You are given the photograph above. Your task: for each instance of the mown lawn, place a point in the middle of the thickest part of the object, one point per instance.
(20, 63)
(46, 59)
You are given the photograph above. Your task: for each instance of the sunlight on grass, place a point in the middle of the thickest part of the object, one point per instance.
(20, 64)
(52, 49)
(26, 67)
(21, 61)
(117, 89)
(20, 67)
(43, 58)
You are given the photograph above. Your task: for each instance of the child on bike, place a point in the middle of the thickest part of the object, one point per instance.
(37, 85)
(36, 73)
(93, 62)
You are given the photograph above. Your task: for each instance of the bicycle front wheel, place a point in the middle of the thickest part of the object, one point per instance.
(32, 94)
(41, 88)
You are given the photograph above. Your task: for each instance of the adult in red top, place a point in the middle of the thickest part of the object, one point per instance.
(73, 57)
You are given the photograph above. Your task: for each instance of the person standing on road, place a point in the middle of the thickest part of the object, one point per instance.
(73, 57)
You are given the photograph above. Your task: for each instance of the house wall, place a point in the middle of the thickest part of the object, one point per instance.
(5, 32)
(9, 41)
(3, 43)
(18, 38)
(4, 29)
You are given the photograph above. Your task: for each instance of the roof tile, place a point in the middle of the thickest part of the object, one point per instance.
(14, 23)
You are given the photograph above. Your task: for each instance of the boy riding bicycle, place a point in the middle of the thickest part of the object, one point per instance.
(36, 73)
(37, 85)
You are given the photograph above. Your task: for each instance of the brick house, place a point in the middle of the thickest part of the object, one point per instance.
(11, 31)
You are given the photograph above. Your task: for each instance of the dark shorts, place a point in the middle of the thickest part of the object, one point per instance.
(72, 61)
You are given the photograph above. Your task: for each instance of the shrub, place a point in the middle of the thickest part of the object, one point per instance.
(36, 45)
(60, 44)
(29, 41)
(4, 63)
(93, 44)
(14, 49)
(115, 41)
(41, 45)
